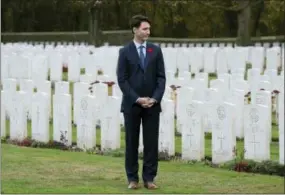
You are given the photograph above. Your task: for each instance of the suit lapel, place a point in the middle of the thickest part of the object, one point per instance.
(134, 52)
(148, 54)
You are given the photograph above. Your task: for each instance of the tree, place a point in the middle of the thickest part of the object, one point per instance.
(242, 8)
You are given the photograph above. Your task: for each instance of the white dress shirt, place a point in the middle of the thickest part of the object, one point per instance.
(138, 47)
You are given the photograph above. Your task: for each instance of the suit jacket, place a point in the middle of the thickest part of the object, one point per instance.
(137, 81)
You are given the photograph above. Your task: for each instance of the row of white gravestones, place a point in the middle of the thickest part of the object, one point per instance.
(259, 101)
(226, 119)
(88, 113)
(36, 67)
(221, 60)
(257, 144)
(10, 86)
(15, 104)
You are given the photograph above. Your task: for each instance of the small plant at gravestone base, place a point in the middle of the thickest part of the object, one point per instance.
(63, 138)
(213, 75)
(100, 72)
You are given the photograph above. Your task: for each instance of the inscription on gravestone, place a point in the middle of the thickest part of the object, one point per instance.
(260, 100)
(83, 105)
(217, 126)
(254, 118)
(190, 110)
(221, 112)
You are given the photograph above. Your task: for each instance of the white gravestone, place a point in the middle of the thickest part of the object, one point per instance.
(40, 117)
(62, 130)
(73, 68)
(166, 128)
(223, 136)
(3, 113)
(236, 97)
(28, 86)
(45, 86)
(62, 87)
(79, 89)
(39, 69)
(212, 95)
(110, 124)
(100, 90)
(55, 64)
(256, 144)
(86, 126)
(264, 98)
(18, 119)
(141, 139)
(184, 95)
(10, 87)
(192, 132)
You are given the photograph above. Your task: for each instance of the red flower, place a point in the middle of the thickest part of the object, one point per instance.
(109, 83)
(149, 50)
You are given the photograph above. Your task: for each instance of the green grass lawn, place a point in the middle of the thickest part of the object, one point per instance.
(35, 170)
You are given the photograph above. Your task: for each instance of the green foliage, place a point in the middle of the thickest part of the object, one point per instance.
(201, 19)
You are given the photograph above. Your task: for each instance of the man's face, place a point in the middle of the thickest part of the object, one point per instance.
(143, 31)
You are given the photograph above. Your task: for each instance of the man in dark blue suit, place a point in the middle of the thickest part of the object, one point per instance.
(141, 78)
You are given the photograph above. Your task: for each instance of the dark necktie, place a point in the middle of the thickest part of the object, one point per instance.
(142, 58)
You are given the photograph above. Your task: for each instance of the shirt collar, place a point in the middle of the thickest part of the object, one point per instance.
(138, 44)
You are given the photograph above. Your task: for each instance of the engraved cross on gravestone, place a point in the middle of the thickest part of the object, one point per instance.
(190, 110)
(189, 140)
(255, 143)
(221, 148)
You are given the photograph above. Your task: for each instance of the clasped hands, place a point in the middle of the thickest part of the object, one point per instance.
(146, 102)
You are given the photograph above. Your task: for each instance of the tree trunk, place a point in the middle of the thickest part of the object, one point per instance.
(9, 20)
(94, 31)
(231, 19)
(243, 34)
(259, 10)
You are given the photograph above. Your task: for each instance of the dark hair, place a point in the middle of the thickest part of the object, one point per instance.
(137, 20)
